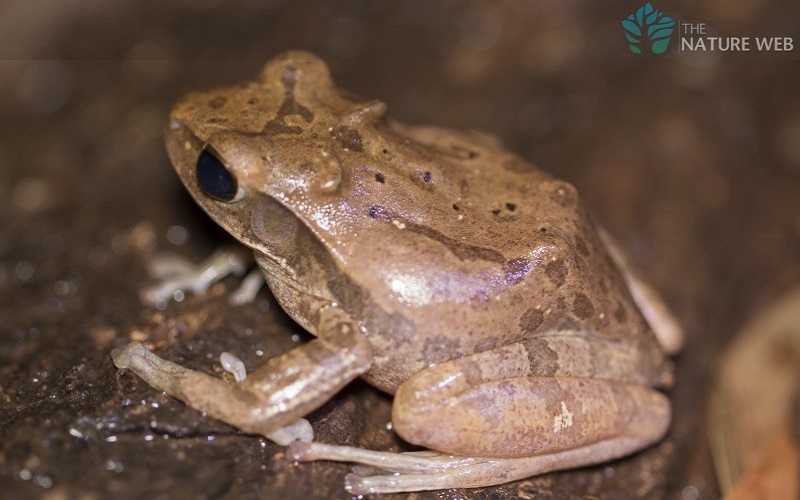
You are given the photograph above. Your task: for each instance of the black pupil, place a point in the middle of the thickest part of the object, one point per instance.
(214, 179)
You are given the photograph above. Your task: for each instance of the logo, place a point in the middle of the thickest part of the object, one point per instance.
(650, 28)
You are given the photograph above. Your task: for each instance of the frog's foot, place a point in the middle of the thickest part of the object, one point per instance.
(300, 431)
(430, 470)
(178, 276)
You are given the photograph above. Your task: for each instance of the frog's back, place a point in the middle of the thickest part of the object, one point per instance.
(467, 246)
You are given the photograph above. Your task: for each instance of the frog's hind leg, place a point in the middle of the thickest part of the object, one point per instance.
(519, 410)
(420, 471)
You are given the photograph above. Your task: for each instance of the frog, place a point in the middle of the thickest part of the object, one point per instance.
(430, 262)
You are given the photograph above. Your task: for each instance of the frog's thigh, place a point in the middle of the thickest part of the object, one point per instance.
(510, 413)
(497, 404)
(536, 415)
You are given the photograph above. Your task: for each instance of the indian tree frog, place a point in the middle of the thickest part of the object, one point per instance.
(433, 263)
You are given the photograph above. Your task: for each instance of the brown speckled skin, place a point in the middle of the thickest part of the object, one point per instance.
(431, 262)
(439, 242)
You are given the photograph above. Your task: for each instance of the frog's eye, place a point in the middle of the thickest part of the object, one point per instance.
(215, 180)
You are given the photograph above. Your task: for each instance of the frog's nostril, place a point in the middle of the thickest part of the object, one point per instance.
(214, 179)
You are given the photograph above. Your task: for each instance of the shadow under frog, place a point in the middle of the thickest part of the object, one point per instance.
(431, 262)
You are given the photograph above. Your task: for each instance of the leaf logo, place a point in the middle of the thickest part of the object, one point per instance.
(650, 25)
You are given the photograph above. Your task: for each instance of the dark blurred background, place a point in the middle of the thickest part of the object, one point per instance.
(692, 160)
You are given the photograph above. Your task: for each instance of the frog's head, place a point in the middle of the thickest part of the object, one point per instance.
(263, 159)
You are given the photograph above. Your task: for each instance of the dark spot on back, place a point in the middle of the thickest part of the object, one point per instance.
(511, 206)
(289, 107)
(426, 176)
(531, 320)
(456, 207)
(217, 102)
(542, 358)
(496, 211)
(516, 269)
(252, 101)
(376, 211)
(385, 151)
(380, 177)
(348, 138)
(277, 127)
(557, 272)
(472, 155)
(381, 212)
(582, 306)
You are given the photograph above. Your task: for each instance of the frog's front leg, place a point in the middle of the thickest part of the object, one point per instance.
(530, 407)
(288, 387)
